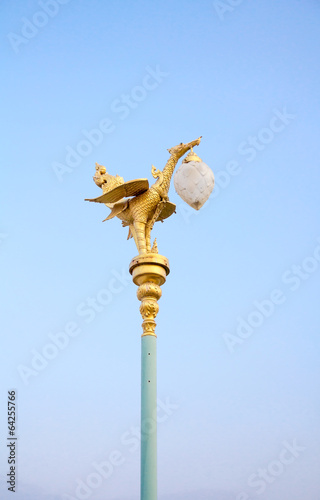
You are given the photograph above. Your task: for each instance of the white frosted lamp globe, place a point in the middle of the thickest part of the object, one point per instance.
(194, 181)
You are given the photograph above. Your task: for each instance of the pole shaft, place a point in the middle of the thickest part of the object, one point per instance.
(149, 272)
(149, 417)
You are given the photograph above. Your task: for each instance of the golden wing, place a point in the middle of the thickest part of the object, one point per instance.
(168, 209)
(131, 188)
(117, 209)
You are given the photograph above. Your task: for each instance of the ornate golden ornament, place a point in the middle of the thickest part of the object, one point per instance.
(192, 156)
(149, 272)
(135, 203)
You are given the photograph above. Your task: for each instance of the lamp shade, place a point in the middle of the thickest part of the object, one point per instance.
(194, 181)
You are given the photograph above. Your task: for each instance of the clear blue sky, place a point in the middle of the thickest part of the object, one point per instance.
(238, 327)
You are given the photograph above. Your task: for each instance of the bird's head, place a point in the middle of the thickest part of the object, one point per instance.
(105, 180)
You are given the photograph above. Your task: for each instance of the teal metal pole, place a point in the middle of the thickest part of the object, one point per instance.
(149, 272)
(148, 417)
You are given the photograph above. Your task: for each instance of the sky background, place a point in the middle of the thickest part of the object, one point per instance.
(238, 388)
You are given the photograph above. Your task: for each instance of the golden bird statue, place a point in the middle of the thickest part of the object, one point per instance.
(135, 203)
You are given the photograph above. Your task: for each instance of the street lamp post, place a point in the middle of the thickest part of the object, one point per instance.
(149, 273)
(139, 207)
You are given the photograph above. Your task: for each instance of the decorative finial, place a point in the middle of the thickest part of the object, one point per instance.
(154, 248)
